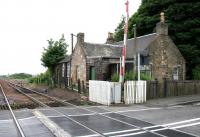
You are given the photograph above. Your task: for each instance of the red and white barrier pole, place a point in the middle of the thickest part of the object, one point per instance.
(123, 59)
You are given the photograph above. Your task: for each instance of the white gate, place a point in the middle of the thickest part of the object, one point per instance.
(134, 92)
(104, 92)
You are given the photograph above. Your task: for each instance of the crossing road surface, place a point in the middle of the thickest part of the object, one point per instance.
(128, 122)
(136, 121)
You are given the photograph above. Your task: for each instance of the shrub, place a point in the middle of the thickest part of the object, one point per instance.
(130, 76)
(133, 76)
(115, 78)
(145, 77)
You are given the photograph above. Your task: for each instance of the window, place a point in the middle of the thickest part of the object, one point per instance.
(68, 69)
(63, 70)
(175, 73)
(92, 73)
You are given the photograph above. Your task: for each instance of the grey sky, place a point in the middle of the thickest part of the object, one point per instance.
(25, 26)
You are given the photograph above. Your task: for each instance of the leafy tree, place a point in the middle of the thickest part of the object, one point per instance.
(120, 29)
(196, 73)
(54, 53)
(183, 19)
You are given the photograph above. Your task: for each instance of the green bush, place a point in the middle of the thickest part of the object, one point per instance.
(130, 76)
(145, 77)
(115, 78)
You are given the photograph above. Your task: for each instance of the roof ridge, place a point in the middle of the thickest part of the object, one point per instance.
(143, 36)
(112, 45)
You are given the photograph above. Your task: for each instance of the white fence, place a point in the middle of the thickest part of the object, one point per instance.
(104, 92)
(134, 92)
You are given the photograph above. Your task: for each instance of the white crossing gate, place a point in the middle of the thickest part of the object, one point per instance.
(104, 92)
(134, 92)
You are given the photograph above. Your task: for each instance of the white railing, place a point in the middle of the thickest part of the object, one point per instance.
(144, 67)
(134, 92)
(104, 92)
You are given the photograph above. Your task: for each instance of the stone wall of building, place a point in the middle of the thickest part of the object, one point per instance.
(101, 68)
(60, 74)
(78, 68)
(164, 58)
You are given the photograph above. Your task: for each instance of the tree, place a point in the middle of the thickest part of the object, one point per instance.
(184, 26)
(54, 53)
(196, 72)
(120, 29)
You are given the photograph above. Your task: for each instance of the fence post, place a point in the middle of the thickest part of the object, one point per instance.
(83, 87)
(156, 88)
(79, 86)
(165, 87)
(124, 96)
(71, 84)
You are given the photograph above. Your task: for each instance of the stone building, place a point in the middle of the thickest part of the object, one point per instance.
(159, 57)
(62, 72)
(91, 61)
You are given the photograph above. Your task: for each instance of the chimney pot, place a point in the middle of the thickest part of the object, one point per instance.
(162, 17)
(162, 27)
(80, 37)
(110, 38)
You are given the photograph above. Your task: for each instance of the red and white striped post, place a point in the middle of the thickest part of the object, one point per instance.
(123, 58)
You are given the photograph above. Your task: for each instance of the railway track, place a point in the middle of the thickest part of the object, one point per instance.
(26, 91)
(5, 99)
(39, 98)
(112, 116)
(2, 102)
(94, 112)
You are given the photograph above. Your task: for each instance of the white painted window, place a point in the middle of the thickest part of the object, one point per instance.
(63, 70)
(68, 69)
(175, 73)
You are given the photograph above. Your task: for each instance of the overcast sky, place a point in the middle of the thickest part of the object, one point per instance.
(26, 25)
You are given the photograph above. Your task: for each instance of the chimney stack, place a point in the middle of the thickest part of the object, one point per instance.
(162, 17)
(80, 37)
(110, 38)
(162, 27)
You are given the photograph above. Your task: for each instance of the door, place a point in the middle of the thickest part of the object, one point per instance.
(92, 73)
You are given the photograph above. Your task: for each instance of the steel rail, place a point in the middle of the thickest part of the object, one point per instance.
(44, 105)
(13, 115)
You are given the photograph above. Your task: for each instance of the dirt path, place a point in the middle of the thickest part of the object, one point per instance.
(64, 94)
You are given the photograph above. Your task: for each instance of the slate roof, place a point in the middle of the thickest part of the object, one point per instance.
(114, 50)
(102, 50)
(66, 59)
(142, 43)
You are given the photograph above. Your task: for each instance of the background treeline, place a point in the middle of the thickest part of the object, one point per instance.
(19, 76)
(183, 18)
